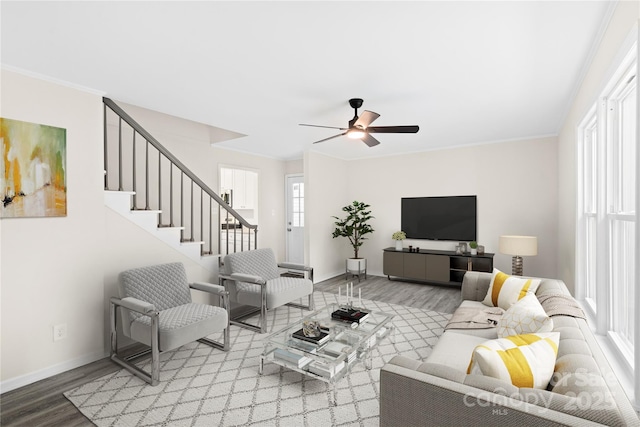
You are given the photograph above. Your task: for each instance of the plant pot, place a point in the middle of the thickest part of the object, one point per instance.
(474, 251)
(356, 265)
(398, 245)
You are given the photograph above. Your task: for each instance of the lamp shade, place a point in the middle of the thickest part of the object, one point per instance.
(519, 245)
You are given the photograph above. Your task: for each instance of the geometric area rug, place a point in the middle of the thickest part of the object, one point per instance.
(204, 386)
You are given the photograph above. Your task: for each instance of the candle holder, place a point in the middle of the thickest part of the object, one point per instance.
(350, 296)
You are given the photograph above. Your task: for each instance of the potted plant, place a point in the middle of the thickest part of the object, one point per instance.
(355, 226)
(474, 247)
(399, 236)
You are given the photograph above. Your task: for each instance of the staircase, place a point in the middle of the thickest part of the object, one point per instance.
(148, 185)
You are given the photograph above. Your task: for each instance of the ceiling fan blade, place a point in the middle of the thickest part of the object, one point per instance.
(393, 129)
(369, 140)
(326, 127)
(366, 118)
(331, 137)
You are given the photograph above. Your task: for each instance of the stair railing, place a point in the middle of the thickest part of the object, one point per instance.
(196, 208)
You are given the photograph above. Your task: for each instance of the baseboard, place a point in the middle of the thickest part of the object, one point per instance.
(32, 377)
(318, 279)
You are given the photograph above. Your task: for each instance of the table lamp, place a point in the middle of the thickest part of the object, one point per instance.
(518, 246)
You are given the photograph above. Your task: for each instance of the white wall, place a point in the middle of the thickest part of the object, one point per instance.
(624, 19)
(326, 192)
(64, 270)
(515, 183)
(52, 267)
(294, 166)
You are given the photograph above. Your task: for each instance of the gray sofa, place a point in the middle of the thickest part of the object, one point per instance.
(438, 391)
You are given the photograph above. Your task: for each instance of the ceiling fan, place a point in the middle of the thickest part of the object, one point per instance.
(359, 126)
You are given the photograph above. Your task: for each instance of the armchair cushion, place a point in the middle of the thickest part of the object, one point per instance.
(280, 291)
(164, 286)
(259, 262)
(250, 278)
(180, 325)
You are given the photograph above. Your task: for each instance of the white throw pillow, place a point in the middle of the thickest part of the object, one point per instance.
(523, 360)
(524, 317)
(505, 290)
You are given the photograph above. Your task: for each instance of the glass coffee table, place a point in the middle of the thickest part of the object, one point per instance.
(346, 345)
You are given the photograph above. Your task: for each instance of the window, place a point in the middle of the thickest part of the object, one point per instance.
(621, 215)
(588, 220)
(607, 208)
(298, 204)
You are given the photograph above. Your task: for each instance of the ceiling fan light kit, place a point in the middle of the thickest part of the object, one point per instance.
(359, 126)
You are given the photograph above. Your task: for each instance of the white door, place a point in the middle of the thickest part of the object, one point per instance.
(295, 219)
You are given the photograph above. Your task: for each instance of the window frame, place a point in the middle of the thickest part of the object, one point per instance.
(605, 117)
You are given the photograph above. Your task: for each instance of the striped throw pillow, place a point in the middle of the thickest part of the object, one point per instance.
(524, 317)
(505, 290)
(523, 360)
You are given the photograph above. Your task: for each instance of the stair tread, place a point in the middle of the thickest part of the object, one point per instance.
(140, 211)
(120, 192)
(211, 255)
(196, 242)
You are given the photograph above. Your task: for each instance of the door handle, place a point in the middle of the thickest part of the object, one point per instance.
(288, 229)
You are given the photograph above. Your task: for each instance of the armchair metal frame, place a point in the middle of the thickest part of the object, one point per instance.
(257, 280)
(148, 309)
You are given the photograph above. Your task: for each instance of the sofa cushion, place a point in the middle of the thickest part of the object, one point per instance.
(524, 317)
(524, 360)
(442, 371)
(552, 286)
(489, 332)
(567, 333)
(505, 290)
(573, 346)
(574, 363)
(454, 350)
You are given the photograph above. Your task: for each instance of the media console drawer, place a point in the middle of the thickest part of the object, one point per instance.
(433, 265)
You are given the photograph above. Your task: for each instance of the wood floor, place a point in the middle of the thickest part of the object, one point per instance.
(42, 403)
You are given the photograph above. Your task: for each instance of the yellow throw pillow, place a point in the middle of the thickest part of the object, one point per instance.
(523, 360)
(505, 290)
(524, 317)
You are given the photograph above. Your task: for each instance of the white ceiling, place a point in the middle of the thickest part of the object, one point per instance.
(465, 72)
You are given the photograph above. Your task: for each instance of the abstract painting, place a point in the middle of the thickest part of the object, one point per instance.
(33, 177)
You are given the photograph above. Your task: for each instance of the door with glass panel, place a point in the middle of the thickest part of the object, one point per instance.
(295, 219)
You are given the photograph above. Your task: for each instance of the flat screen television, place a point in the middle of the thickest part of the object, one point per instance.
(440, 218)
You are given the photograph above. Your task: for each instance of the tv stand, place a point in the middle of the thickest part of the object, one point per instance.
(433, 266)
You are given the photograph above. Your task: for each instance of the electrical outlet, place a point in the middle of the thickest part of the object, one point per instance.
(60, 332)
